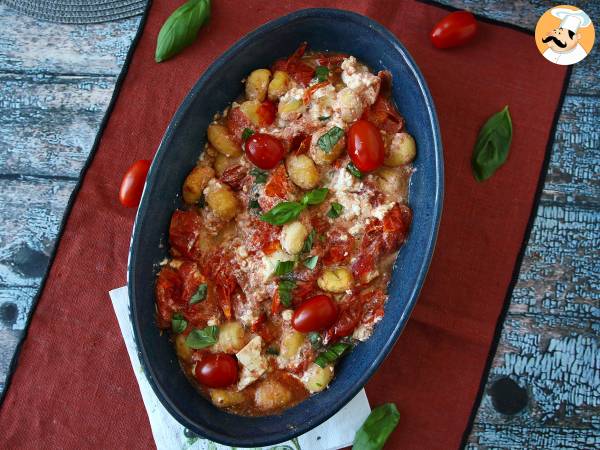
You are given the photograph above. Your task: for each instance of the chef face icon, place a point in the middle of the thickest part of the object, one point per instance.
(564, 35)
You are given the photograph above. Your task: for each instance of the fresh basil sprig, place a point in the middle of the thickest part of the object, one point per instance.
(181, 28)
(285, 289)
(199, 295)
(335, 210)
(322, 73)
(178, 323)
(354, 170)
(260, 177)
(332, 354)
(308, 242)
(284, 267)
(311, 262)
(202, 338)
(329, 139)
(492, 146)
(247, 133)
(285, 212)
(376, 430)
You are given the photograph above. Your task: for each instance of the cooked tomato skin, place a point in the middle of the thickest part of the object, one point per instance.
(132, 184)
(316, 314)
(267, 112)
(184, 231)
(217, 370)
(365, 146)
(454, 30)
(265, 151)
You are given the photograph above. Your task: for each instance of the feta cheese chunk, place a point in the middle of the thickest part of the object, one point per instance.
(254, 364)
(269, 263)
(358, 78)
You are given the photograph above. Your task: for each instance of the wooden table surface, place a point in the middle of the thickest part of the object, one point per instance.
(55, 84)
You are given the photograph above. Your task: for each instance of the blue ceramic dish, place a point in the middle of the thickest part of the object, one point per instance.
(323, 29)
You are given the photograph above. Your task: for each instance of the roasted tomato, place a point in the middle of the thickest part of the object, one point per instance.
(267, 112)
(217, 370)
(315, 314)
(348, 318)
(219, 268)
(454, 30)
(384, 116)
(183, 232)
(278, 184)
(299, 71)
(234, 176)
(265, 151)
(168, 295)
(132, 184)
(339, 244)
(365, 146)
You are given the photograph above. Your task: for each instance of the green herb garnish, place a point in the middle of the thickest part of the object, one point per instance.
(376, 430)
(315, 339)
(329, 139)
(332, 354)
(492, 146)
(247, 133)
(353, 170)
(199, 295)
(311, 262)
(322, 118)
(285, 289)
(322, 73)
(202, 338)
(253, 204)
(308, 242)
(181, 28)
(178, 323)
(284, 267)
(272, 351)
(335, 210)
(260, 177)
(285, 212)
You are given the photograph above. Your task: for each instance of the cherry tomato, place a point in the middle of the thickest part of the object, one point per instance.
(315, 314)
(266, 112)
(133, 183)
(217, 370)
(365, 146)
(454, 30)
(265, 151)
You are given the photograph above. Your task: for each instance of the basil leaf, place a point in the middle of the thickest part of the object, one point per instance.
(199, 295)
(311, 262)
(315, 339)
(260, 177)
(324, 117)
(178, 323)
(332, 354)
(285, 292)
(492, 146)
(202, 338)
(322, 73)
(282, 213)
(329, 139)
(335, 211)
(247, 133)
(181, 28)
(376, 430)
(308, 242)
(315, 196)
(284, 267)
(353, 170)
(253, 204)
(272, 351)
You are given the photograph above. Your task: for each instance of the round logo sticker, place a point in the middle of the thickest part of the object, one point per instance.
(564, 35)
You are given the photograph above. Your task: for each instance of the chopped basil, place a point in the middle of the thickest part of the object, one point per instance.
(285, 292)
(315, 339)
(376, 430)
(203, 338)
(322, 73)
(322, 118)
(492, 146)
(335, 211)
(260, 177)
(284, 267)
(285, 212)
(199, 295)
(272, 351)
(178, 323)
(329, 139)
(308, 242)
(253, 204)
(332, 354)
(311, 262)
(353, 170)
(246, 133)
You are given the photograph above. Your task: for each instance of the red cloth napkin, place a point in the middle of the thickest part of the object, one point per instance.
(73, 385)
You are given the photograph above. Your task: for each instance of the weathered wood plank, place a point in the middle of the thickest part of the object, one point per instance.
(48, 123)
(32, 46)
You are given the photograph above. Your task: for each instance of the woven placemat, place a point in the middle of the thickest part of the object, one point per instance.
(78, 11)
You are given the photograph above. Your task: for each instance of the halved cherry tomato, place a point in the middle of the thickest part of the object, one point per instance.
(266, 112)
(365, 146)
(133, 183)
(217, 370)
(315, 314)
(265, 151)
(455, 29)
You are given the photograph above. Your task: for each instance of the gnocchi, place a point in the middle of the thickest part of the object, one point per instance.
(336, 280)
(321, 156)
(257, 84)
(278, 85)
(302, 171)
(222, 201)
(402, 150)
(290, 344)
(195, 183)
(220, 138)
(225, 397)
(317, 378)
(231, 338)
(292, 237)
(270, 395)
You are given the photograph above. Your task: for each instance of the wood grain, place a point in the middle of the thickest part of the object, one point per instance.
(55, 83)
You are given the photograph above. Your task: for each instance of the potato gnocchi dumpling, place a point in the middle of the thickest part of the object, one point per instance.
(222, 140)
(257, 84)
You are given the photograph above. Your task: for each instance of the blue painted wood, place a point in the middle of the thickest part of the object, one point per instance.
(55, 83)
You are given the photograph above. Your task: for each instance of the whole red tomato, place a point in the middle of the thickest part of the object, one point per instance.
(454, 30)
(133, 183)
(365, 146)
(315, 314)
(265, 151)
(217, 370)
